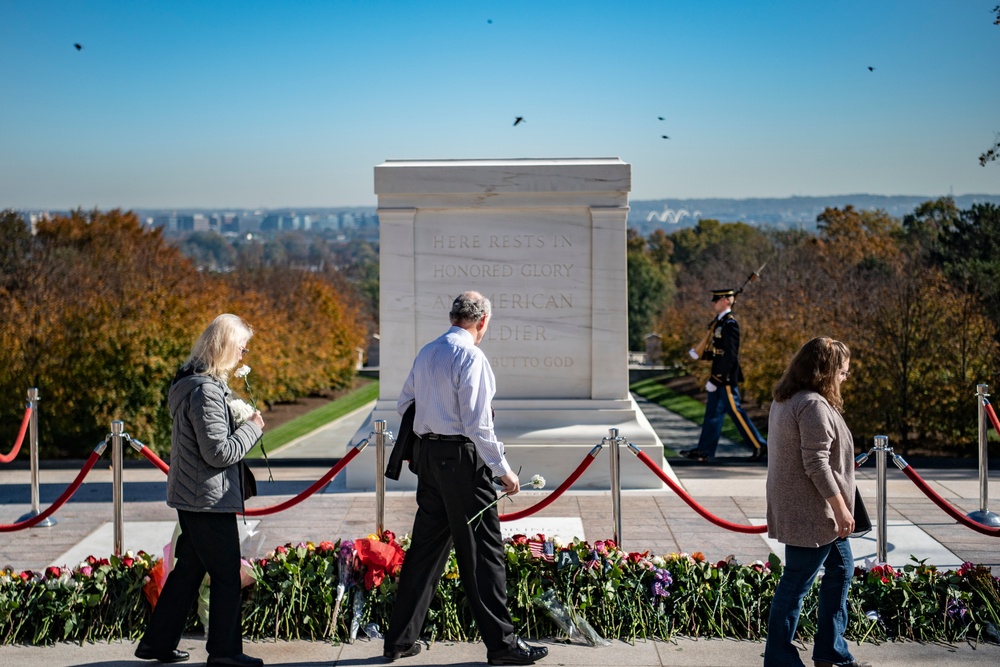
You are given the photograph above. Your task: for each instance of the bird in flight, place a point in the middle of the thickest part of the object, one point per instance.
(79, 47)
(519, 119)
(664, 136)
(660, 117)
(871, 69)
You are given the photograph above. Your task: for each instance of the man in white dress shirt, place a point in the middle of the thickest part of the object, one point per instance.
(457, 456)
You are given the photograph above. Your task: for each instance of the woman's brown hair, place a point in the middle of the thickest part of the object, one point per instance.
(815, 367)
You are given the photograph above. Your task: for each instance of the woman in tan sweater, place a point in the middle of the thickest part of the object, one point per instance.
(810, 498)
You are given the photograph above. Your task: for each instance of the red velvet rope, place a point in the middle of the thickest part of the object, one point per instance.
(946, 506)
(60, 501)
(993, 416)
(7, 458)
(261, 511)
(546, 501)
(722, 523)
(316, 486)
(154, 459)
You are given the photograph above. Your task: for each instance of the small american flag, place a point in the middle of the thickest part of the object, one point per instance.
(542, 549)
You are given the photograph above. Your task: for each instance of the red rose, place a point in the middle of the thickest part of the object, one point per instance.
(281, 550)
(127, 562)
(389, 537)
(326, 546)
(52, 572)
(25, 575)
(519, 539)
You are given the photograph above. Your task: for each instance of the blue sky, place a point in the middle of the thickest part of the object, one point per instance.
(292, 103)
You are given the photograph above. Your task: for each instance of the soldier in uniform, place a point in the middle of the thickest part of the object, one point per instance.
(723, 350)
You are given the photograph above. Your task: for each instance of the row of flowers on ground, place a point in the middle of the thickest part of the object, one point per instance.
(591, 592)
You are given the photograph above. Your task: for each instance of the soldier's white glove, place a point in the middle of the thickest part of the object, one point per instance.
(710, 386)
(693, 354)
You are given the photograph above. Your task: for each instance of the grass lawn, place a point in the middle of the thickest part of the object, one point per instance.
(319, 417)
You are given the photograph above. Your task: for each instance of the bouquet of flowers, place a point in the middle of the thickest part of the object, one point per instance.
(345, 579)
(569, 619)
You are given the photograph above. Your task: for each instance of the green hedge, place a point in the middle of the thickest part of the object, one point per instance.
(292, 594)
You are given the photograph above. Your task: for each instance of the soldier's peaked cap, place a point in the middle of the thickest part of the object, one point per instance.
(721, 293)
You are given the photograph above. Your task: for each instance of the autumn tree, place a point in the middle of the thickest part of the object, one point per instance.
(99, 312)
(650, 284)
(919, 341)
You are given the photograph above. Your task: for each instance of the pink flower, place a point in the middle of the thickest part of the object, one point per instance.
(86, 570)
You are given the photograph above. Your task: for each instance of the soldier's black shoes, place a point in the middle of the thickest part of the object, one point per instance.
(695, 454)
(393, 655)
(758, 455)
(145, 652)
(519, 653)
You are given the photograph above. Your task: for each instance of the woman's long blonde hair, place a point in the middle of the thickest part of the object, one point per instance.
(219, 348)
(815, 367)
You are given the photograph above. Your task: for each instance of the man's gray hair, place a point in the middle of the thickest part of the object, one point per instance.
(468, 308)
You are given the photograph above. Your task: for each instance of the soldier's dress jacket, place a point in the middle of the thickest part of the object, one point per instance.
(724, 351)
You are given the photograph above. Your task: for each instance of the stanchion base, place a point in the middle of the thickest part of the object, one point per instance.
(44, 523)
(985, 517)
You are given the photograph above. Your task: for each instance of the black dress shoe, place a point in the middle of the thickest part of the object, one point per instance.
(852, 663)
(518, 653)
(144, 652)
(394, 654)
(695, 454)
(758, 455)
(241, 660)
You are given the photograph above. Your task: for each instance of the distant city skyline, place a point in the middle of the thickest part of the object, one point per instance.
(271, 105)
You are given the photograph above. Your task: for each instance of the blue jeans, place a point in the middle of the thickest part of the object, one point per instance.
(721, 401)
(801, 566)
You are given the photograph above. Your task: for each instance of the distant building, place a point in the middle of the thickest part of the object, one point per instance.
(224, 223)
(276, 222)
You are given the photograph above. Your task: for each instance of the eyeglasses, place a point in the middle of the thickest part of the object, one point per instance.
(844, 374)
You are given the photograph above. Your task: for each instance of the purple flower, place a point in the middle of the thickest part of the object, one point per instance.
(661, 582)
(956, 608)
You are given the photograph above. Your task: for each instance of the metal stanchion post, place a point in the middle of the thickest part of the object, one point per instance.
(117, 492)
(983, 515)
(614, 440)
(36, 505)
(379, 476)
(881, 532)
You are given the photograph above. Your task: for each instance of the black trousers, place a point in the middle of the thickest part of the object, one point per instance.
(209, 543)
(453, 485)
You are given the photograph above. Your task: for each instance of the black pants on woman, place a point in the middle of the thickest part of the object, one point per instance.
(209, 543)
(453, 485)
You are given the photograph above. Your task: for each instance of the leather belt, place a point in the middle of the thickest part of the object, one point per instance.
(444, 438)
